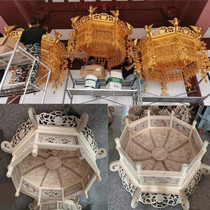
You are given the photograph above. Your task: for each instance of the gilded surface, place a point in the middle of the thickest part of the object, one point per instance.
(100, 35)
(169, 54)
(52, 54)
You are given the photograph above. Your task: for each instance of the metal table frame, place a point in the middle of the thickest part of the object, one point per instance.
(26, 87)
(102, 94)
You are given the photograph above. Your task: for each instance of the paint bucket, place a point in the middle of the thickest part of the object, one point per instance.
(90, 81)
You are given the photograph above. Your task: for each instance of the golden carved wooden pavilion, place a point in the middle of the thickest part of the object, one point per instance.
(170, 54)
(100, 35)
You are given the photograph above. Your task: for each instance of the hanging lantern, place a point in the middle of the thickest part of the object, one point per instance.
(170, 54)
(100, 35)
(52, 54)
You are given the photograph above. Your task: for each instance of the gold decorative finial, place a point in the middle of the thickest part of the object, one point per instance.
(74, 20)
(57, 36)
(8, 30)
(175, 23)
(116, 14)
(148, 30)
(164, 89)
(130, 27)
(135, 42)
(92, 10)
(197, 30)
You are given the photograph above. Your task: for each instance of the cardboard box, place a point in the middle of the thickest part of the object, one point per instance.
(7, 44)
(114, 79)
(95, 70)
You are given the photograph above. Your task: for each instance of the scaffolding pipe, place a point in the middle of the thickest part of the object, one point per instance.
(8, 65)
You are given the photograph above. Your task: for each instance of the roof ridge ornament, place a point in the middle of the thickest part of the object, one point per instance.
(175, 23)
(9, 29)
(148, 30)
(92, 10)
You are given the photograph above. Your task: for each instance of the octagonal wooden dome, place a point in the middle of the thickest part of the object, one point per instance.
(160, 160)
(53, 157)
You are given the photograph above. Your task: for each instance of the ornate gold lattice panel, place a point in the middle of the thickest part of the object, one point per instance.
(170, 54)
(100, 35)
(53, 52)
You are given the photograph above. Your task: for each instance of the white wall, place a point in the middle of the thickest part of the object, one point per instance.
(205, 89)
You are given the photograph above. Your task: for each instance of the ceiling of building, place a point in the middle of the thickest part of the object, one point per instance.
(56, 14)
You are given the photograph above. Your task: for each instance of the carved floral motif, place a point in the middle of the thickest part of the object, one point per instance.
(30, 188)
(58, 139)
(182, 129)
(47, 193)
(160, 123)
(139, 127)
(55, 118)
(127, 184)
(21, 132)
(193, 184)
(161, 180)
(159, 200)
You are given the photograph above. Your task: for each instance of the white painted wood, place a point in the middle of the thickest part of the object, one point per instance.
(89, 185)
(159, 181)
(33, 117)
(39, 197)
(18, 188)
(59, 147)
(35, 145)
(135, 199)
(40, 147)
(184, 201)
(82, 122)
(206, 167)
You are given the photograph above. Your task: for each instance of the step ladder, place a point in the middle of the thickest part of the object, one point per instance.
(19, 56)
